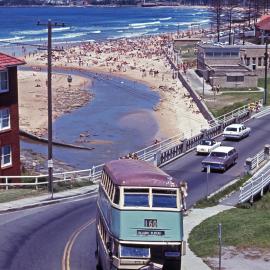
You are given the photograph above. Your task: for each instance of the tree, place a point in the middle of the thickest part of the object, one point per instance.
(216, 8)
(230, 14)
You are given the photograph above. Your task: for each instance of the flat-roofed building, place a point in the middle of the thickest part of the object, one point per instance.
(226, 65)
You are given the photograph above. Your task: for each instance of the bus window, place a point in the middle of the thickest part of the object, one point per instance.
(116, 195)
(164, 198)
(136, 197)
(134, 251)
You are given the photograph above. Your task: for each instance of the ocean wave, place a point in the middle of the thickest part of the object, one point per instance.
(96, 32)
(153, 30)
(128, 35)
(165, 19)
(179, 23)
(71, 35)
(12, 39)
(139, 27)
(40, 32)
(62, 37)
(101, 28)
(205, 21)
(143, 24)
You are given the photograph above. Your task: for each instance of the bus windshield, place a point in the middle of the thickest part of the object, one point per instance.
(136, 199)
(134, 251)
(164, 198)
(166, 201)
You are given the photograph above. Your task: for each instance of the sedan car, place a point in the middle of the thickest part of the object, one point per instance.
(236, 131)
(220, 158)
(206, 146)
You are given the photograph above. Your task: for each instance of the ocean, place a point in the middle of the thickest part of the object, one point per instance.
(95, 23)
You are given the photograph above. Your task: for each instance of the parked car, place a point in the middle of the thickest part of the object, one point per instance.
(236, 131)
(206, 146)
(220, 158)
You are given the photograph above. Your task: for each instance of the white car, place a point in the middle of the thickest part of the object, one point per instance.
(206, 146)
(236, 131)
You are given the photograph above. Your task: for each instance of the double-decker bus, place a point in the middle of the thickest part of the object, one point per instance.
(139, 217)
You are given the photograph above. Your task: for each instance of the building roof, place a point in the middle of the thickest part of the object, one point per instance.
(7, 61)
(264, 23)
(138, 173)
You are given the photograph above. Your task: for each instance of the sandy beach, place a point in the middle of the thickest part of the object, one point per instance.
(32, 91)
(140, 59)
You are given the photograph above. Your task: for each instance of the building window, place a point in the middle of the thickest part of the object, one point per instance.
(6, 156)
(209, 54)
(235, 54)
(259, 61)
(235, 78)
(4, 119)
(3, 81)
(217, 54)
(248, 61)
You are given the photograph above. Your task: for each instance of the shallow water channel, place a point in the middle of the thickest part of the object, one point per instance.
(118, 120)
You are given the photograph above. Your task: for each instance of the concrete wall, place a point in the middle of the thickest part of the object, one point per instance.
(249, 81)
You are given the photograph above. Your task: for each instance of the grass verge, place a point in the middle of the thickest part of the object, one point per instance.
(241, 228)
(22, 193)
(214, 200)
(226, 102)
(16, 194)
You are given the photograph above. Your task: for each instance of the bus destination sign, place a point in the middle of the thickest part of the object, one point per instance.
(150, 232)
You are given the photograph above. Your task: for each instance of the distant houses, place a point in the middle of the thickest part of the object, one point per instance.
(9, 116)
(235, 66)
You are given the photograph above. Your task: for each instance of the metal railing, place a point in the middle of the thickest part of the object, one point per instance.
(160, 154)
(255, 186)
(257, 160)
(92, 175)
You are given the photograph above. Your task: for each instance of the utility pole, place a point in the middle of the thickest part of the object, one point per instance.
(50, 153)
(49, 85)
(220, 244)
(265, 72)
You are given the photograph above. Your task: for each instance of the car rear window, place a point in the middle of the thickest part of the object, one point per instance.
(231, 129)
(205, 142)
(218, 154)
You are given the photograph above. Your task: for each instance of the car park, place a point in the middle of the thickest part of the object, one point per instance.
(220, 158)
(206, 146)
(236, 131)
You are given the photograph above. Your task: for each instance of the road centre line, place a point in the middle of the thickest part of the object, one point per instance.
(70, 243)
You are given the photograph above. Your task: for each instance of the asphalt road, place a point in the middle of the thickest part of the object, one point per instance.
(49, 237)
(62, 236)
(189, 167)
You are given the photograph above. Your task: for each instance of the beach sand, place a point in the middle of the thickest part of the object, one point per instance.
(32, 90)
(140, 59)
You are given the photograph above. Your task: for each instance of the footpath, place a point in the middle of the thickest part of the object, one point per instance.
(194, 218)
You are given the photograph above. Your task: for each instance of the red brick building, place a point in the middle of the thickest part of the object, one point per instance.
(9, 116)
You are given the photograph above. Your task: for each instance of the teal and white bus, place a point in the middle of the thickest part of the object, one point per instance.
(139, 218)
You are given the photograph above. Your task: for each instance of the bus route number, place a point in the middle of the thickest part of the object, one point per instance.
(150, 223)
